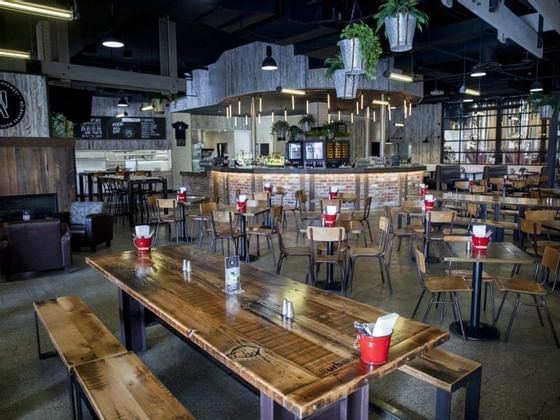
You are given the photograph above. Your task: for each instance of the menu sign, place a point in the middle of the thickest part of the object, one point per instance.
(108, 128)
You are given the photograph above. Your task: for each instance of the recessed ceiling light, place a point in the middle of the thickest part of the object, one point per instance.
(478, 71)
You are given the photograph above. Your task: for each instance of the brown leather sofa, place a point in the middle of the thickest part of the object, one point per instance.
(89, 225)
(35, 246)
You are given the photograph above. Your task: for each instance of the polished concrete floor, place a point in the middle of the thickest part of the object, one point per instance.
(521, 378)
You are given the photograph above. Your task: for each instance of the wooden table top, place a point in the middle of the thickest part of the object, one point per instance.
(249, 212)
(191, 199)
(303, 364)
(497, 252)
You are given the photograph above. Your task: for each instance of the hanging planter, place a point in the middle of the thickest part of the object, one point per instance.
(400, 18)
(351, 54)
(346, 84)
(307, 121)
(544, 104)
(280, 128)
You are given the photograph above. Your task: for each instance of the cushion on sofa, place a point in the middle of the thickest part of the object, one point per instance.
(79, 210)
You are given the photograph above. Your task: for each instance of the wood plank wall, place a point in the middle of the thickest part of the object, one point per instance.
(38, 165)
(35, 122)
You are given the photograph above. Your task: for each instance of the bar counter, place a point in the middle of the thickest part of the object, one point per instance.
(387, 186)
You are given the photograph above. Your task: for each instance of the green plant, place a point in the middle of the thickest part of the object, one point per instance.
(395, 7)
(334, 63)
(307, 119)
(369, 45)
(60, 126)
(279, 126)
(536, 100)
(294, 131)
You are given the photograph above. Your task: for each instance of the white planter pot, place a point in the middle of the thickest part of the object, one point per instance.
(306, 127)
(546, 112)
(400, 31)
(351, 55)
(281, 134)
(346, 84)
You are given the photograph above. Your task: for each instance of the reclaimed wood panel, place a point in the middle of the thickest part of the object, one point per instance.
(38, 165)
(35, 122)
(123, 387)
(303, 365)
(76, 333)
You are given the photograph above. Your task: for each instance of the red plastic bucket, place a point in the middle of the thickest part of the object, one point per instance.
(374, 350)
(143, 244)
(181, 196)
(330, 220)
(333, 195)
(242, 206)
(429, 205)
(423, 191)
(268, 189)
(480, 242)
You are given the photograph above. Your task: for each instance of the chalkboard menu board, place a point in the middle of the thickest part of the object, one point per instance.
(109, 128)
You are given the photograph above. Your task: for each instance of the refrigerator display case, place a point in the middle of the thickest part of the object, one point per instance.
(294, 153)
(314, 152)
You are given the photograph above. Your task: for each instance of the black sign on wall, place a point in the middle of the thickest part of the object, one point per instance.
(12, 105)
(109, 128)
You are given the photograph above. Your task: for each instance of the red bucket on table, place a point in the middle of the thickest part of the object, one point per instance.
(182, 196)
(268, 189)
(330, 220)
(374, 350)
(242, 206)
(423, 190)
(333, 195)
(143, 244)
(429, 205)
(480, 242)
(126, 175)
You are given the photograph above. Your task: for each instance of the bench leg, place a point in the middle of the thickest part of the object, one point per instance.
(133, 328)
(443, 405)
(72, 394)
(38, 337)
(472, 399)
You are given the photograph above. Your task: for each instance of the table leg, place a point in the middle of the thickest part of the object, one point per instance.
(133, 328)
(183, 217)
(474, 329)
(243, 252)
(483, 211)
(131, 206)
(99, 189)
(330, 268)
(353, 407)
(81, 187)
(90, 186)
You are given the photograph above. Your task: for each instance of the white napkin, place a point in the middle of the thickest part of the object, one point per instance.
(242, 198)
(479, 230)
(334, 189)
(267, 184)
(142, 231)
(331, 209)
(385, 324)
(429, 197)
(183, 189)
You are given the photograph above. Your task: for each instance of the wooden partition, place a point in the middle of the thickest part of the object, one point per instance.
(38, 165)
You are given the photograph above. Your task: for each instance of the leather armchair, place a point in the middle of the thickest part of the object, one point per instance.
(89, 226)
(36, 246)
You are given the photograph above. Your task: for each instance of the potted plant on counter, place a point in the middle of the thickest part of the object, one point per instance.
(360, 49)
(307, 121)
(280, 128)
(346, 84)
(400, 18)
(544, 104)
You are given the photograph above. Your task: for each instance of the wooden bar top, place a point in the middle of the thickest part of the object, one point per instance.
(304, 364)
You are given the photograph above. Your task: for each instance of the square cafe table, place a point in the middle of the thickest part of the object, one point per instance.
(497, 253)
(301, 367)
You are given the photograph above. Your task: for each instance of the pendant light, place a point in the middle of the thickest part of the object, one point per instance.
(111, 39)
(123, 103)
(536, 86)
(269, 63)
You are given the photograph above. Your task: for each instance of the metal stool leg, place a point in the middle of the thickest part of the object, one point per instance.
(443, 405)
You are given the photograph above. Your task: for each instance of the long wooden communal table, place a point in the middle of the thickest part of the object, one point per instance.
(497, 253)
(300, 368)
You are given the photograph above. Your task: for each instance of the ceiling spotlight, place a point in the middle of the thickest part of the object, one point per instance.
(478, 71)
(468, 100)
(269, 63)
(290, 91)
(398, 76)
(468, 91)
(536, 87)
(15, 54)
(37, 9)
(112, 41)
(123, 103)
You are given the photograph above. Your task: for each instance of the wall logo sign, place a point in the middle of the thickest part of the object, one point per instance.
(12, 105)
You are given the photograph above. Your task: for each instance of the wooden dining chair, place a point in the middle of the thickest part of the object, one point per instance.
(438, 224)
(293, 251)
(411, 232)
(167, 214)
(439, 287)
(203, 220)
(535, 288)
(363, 218)
(261, 196)
(382, 252)
(325, 202)
(304, 217)
(318, 236)
(266, 232)
(222, 227)
(531, 229)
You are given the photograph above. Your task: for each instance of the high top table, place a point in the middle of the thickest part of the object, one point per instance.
(307, 366)
(497, 253)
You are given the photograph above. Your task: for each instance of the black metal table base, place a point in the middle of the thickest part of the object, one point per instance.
(484, 332)
(433, 260)
(326, 285)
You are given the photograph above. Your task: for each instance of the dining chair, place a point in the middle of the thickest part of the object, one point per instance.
(349, 198)
(203, 219)
(167, 214)
(266, 232)
(439, 287)
(535, 288)
(462, 186)
(531, 228)
(306, 217)
(293, 251)
(222, 227)
(364, 217)
(435, 221)
(261, 196)
(487, 279)
(478, 189)
(411, 232)
(318, 236)
(382, 252)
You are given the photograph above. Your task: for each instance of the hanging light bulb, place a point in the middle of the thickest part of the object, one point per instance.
(239, 106)
(285, 114)
(307, 106)
(339, 115)
(259, 118)
(328, 101)
(367, 112)
(351, 118)
(260, 103)
(293, 102)
(362, 101)
(235, 121)
(374, 116)
(328, 118)
(405, 109)
(357, 107)
(389, 108)
(272, 114)
(227, 112)
(409, 108)
(246, 120)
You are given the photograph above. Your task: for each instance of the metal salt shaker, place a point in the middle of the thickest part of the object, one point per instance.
(186, 265)
(284, 307)
(290, 310)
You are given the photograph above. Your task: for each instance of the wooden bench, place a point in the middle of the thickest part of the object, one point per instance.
(122, 386)
(80, 338)
(448, 372)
